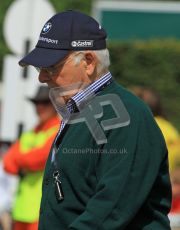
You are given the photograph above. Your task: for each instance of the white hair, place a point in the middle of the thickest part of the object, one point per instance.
(102, 56)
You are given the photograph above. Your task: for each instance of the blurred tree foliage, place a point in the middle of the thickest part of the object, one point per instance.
(154, 63)
(81, 5)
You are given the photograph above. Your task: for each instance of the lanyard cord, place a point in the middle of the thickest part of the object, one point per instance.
(62, 132)
(57, 143)
(56, 174)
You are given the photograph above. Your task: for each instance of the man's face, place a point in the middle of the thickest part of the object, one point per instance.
(65, 73)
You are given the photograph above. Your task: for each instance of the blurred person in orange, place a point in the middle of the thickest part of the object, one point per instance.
(175, 180)
(27, 158)
(170, 133)
(8, 185)
(174, 215)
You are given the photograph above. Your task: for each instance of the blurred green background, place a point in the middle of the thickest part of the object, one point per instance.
(154, 63)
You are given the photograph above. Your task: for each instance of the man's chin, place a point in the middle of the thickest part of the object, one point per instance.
(51, 85)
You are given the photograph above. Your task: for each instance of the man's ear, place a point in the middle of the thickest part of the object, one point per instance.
(90, 62)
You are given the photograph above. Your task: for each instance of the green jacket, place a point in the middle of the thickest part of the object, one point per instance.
(123, 184)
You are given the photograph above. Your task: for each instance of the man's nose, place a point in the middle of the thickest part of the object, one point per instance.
(43, 77)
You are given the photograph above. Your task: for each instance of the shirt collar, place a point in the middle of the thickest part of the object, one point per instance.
(78, 99)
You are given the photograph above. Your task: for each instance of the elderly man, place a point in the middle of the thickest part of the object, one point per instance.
(107, 168)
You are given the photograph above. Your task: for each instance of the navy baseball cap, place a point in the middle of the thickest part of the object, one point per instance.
(65, 32)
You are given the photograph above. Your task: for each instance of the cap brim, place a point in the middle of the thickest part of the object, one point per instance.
(42, 57)
(34, 101)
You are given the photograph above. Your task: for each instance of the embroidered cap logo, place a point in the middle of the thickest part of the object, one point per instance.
(46, 28)
(82, 43)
